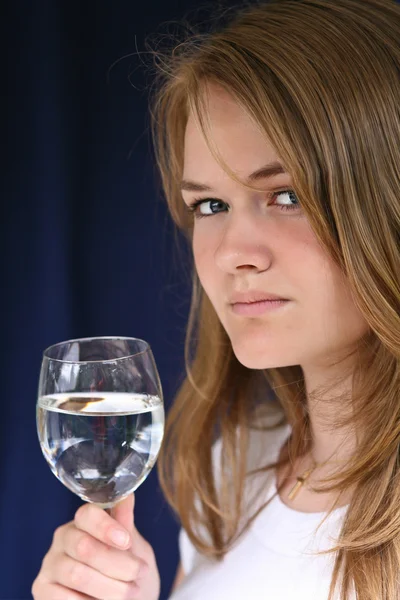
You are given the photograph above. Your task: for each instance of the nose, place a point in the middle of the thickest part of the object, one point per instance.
(243, 246)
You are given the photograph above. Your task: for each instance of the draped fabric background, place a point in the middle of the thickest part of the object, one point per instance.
(87, 245)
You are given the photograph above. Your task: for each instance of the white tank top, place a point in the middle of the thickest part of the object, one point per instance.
(272, 560)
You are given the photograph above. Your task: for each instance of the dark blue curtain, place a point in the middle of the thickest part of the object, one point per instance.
(87, 246)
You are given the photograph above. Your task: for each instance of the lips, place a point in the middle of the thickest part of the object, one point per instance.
(256, 309)
(254, 296)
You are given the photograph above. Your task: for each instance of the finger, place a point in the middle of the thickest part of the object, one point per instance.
(117, 564)
(123, 512)
(54, 591)
(99, 524)
(81, 578)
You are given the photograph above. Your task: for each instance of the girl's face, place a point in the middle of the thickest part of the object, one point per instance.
(248, 241)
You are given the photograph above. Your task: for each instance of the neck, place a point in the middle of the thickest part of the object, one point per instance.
(325, 401)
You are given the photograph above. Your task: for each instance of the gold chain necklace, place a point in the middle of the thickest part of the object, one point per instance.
(304, 476)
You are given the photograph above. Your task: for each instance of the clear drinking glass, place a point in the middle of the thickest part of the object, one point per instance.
(100, 415)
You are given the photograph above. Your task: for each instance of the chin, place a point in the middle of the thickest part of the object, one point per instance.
(253, 356)
(259, 362)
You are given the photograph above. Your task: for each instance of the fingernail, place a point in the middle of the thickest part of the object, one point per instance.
(119, 537)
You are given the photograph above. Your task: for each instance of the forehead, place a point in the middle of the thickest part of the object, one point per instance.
(242, 144)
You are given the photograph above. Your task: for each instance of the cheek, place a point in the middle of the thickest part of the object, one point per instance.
(327, 305)
(207, 271)
(203, 254)
(346, 319)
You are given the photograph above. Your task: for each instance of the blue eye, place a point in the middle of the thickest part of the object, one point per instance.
(287, 206)
(205, 207)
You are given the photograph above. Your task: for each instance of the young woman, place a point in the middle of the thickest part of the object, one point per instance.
(278, 141)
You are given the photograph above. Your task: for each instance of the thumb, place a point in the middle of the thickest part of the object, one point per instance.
(123, 513)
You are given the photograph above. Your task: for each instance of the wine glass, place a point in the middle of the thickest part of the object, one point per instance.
(100, 415)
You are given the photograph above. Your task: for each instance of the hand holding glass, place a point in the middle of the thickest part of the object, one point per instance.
(100, 415)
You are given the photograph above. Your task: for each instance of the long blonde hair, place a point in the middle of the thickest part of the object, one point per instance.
(322, 80)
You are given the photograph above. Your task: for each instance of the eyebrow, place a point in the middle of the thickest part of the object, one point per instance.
(265, 172)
